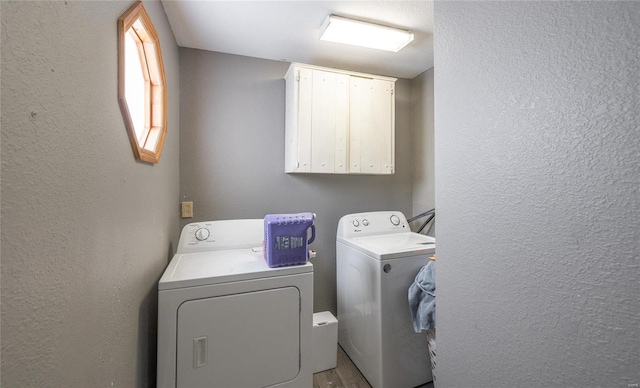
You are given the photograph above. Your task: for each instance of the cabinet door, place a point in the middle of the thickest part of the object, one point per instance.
(322, 121)
(371, 147)
(305, 114)
(328, 122)
(383, 126)
(342, 123)
(360, 119)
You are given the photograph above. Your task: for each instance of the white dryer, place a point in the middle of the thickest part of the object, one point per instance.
(377, 259)
(225, 319)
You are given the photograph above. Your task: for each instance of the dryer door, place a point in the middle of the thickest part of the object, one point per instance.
(241, 340)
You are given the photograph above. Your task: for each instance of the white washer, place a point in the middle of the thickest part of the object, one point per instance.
(225, 319)
(377, 259)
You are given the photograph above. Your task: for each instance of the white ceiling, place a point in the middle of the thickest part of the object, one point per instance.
(289, 31)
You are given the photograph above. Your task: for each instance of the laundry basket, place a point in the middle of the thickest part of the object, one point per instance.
(431, 342)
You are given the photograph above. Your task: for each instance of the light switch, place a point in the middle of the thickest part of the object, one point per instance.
(187, 209)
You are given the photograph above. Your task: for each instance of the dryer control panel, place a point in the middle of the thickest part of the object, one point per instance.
(217, 235)
(372, 223)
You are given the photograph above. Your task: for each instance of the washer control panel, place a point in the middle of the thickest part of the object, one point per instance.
(363, 224)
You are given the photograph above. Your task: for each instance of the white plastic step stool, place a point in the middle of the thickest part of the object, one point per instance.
(325, 341)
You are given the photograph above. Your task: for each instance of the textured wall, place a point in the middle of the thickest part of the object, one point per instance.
(423, 178)
(537, 169)
(86, 230)
(232, 156)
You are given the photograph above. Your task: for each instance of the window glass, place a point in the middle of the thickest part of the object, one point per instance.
(142, 90)
(135, 85)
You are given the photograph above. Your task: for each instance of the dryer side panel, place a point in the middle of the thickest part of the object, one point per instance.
(242, 340)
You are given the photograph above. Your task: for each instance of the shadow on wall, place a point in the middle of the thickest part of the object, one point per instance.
(147, 342)
(148, 333)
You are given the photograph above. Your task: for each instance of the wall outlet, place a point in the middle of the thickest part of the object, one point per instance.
(187, 209)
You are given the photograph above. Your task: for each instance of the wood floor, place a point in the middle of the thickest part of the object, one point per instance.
(345, 375)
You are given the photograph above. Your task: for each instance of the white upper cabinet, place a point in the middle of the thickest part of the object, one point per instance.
(338, 122)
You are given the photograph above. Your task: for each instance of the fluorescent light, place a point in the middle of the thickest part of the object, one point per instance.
(359, 33)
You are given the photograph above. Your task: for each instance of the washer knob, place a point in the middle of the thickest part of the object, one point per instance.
(365, 222)
(202, 234)
(356, 223)
(395, 220)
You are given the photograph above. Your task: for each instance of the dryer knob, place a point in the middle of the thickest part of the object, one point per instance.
(395, 220)
(356, 223)
(202, 234)
(365, 222)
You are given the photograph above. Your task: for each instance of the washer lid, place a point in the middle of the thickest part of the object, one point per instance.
(205, 268)
(392, 246)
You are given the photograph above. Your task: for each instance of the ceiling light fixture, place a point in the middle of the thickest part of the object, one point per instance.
(359, 33)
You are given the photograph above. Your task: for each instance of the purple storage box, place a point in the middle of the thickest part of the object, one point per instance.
(285, 238)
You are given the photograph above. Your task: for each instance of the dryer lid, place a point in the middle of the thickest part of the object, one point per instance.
(206, 268)
(395, 245)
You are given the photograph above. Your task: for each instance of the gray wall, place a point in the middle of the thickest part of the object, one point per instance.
(86, 230)
(232, 156)
(537, 114)
(423, 177)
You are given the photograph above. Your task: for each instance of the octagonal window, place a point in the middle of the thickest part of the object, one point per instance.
(142, 90)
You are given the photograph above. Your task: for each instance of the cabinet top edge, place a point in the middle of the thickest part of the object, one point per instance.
(355, 73)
